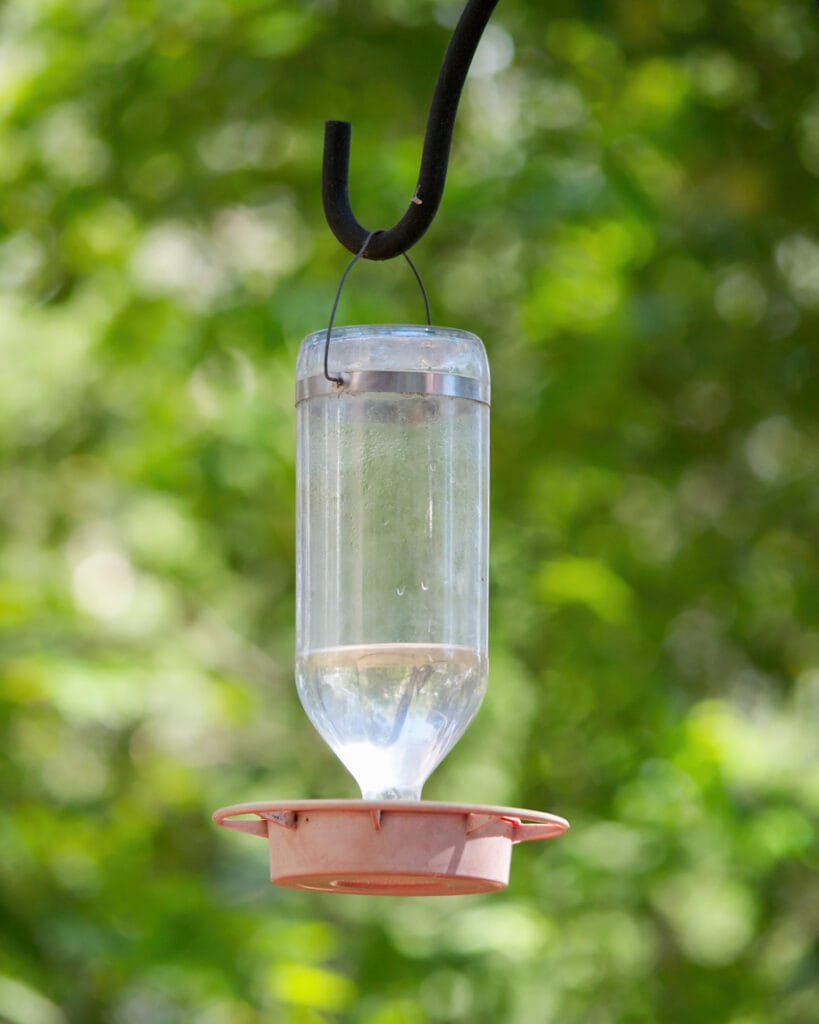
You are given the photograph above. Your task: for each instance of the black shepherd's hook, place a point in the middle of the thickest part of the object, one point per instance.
(384, 245)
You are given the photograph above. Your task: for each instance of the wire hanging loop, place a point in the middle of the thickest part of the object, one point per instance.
(434, 160)
(362, 252)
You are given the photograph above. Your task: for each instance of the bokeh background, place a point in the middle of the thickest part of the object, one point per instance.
(631, 224)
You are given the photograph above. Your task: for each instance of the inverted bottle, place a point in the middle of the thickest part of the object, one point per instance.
(392, 547)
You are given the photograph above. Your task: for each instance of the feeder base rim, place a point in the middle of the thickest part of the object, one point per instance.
(287, 812)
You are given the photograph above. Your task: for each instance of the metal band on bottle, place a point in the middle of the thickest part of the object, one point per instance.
(359, 382)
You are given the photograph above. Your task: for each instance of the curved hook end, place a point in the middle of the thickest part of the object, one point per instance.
(335, 186)
(335, 191)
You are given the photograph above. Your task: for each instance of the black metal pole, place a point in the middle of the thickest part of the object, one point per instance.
(437, 142)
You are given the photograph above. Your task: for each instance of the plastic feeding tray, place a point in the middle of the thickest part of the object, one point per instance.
(390, 848)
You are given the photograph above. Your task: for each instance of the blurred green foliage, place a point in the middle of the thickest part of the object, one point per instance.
(631, 225)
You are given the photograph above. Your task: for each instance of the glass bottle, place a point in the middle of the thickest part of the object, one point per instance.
(392, 547)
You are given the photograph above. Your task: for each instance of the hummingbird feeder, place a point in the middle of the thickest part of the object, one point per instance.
(392, 571)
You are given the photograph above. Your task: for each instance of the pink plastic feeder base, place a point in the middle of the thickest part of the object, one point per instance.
(390, 848)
